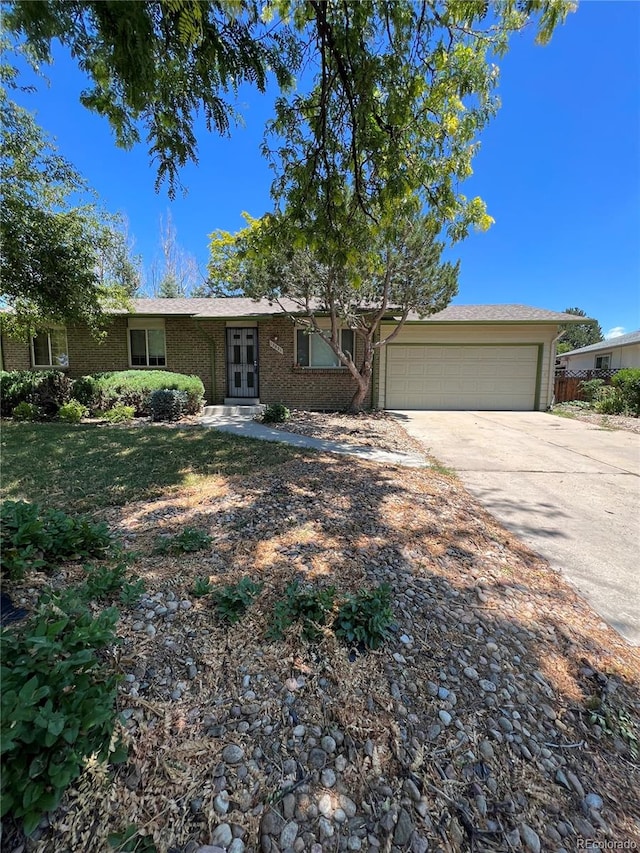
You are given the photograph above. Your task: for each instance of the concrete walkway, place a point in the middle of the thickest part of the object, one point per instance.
(568, 489)
(246, 427)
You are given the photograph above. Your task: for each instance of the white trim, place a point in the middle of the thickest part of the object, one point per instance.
(608, 355)
(147, 326)
(325, 325)
(47, 332)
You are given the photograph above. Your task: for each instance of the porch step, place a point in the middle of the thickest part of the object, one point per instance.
(232, 411)
(242, 401)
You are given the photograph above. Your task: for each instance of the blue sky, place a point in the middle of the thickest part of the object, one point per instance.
(559, 169)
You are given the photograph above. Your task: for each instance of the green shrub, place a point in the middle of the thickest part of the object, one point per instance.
(72, 412)
(32, 538)
(15, 386)
(45, 389)
(201, 587)
(232, 601)
(275, 413)
(58, 704)
(189, 540)
(134, 387)
(627, 381)
(591, 388)
(610, 401)
(86, 390)
(131, 592)
(25, 412)
(364, 618)
(166, 405)
(309, 606)
(119, 414)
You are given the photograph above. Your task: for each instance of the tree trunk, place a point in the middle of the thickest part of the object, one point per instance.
(363, 376)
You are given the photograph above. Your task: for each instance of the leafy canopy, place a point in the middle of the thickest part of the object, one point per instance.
(398, 271)
(156, 64)
(578, 335)
(399, 89)
(63, 258)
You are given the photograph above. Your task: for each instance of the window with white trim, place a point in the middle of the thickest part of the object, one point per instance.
(147, 345)
(603, 362)
(313, 351)
(49, 348)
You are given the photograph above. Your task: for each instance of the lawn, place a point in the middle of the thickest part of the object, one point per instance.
(87, 467)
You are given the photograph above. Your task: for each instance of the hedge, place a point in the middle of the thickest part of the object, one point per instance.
(103, 391)
(47, 390)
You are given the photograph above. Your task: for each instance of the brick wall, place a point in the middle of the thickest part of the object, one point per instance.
(198, 347)
(15, 354)
(299, 387)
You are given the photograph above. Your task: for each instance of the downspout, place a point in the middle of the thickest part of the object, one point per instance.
(552, 369)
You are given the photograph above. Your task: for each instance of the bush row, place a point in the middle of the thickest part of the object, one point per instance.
(33, 394)
(621, 397)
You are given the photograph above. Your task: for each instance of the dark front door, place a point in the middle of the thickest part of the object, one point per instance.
(242, 362)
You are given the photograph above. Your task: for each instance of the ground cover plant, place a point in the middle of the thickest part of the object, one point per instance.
(59, 690)
(233, 600)
(189, 540)
(33, 537)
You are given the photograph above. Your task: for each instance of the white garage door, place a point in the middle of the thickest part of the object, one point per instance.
(461, 377)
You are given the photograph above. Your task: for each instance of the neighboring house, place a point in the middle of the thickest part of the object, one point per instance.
(465, 357)
(614, 354)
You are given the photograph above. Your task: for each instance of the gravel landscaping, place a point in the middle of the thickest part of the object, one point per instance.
(579, 413)
(367, 429)
(500, 715)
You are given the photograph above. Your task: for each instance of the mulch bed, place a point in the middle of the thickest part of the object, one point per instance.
(469, 730)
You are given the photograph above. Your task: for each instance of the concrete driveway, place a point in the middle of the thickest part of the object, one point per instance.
(568, 489)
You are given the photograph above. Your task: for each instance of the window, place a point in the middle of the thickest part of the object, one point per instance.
(313, 351)
(603, 362)
(49, 349)
(147, 344)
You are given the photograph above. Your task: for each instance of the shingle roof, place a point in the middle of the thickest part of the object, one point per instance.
(220, 307)
(620, 341)
(497, 314)
(229, 307)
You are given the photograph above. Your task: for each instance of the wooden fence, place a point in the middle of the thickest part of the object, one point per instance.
(567, 384)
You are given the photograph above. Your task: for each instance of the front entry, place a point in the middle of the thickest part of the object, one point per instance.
(242, 362)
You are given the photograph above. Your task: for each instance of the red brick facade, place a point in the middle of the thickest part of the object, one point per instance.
(197, 346)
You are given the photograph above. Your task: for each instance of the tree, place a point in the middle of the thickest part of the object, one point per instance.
(158, 63)
(401, 87)
(118, 267)
(175, 274)
(578, 335)
(61, 254)
(385, 279)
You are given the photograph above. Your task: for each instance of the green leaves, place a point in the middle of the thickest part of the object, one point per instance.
(33, 538)
(309, 606)
(57, 704)
(364, 618)
(231, 602)
(188, 541)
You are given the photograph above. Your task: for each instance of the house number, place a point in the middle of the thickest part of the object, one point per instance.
(276, 347)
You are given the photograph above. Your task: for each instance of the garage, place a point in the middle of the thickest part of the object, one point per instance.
(476, 376)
